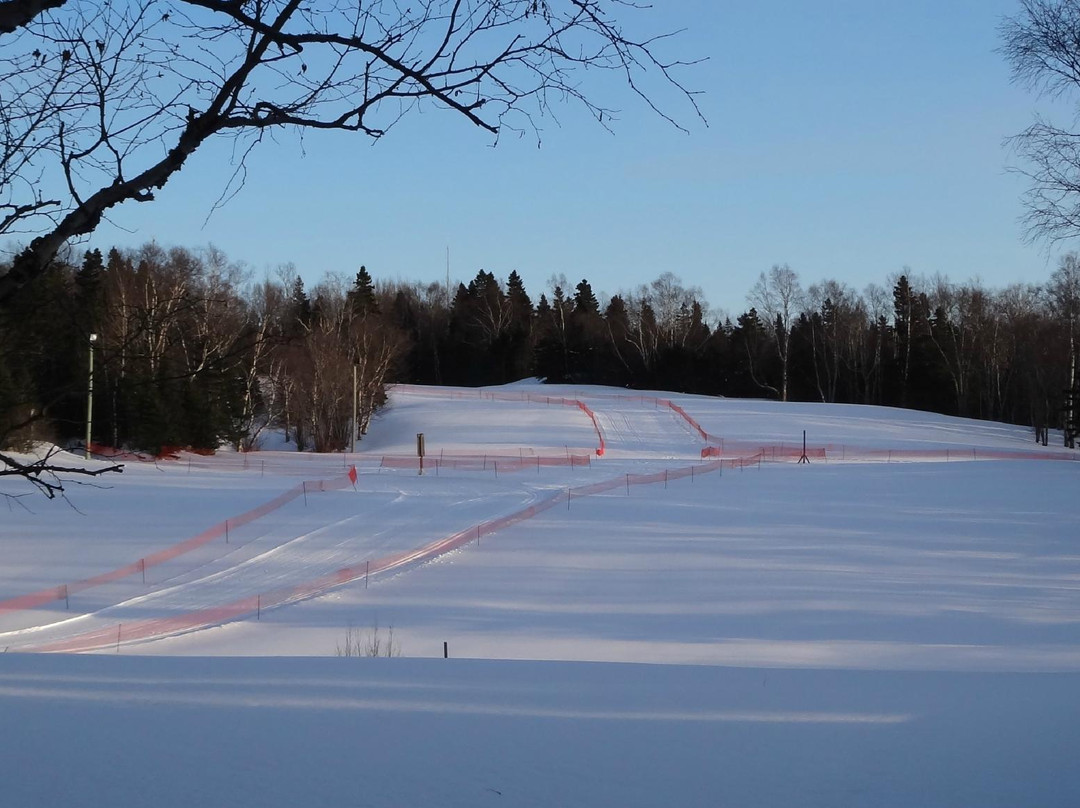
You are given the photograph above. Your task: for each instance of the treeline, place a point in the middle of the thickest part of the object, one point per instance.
(955, 348)
(190, 352)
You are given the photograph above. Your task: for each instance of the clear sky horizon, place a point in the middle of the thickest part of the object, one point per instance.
(847, 139)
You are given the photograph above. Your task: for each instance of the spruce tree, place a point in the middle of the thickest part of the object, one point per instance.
(362, 299)
(584, 300)
(903, 323)
(520, 304)
(520, 334)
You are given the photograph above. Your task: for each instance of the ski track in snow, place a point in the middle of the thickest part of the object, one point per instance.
(277, 559)
(297, 545)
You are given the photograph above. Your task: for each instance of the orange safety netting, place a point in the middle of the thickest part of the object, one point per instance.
(508, 396)
(732, 455)
(490, 462)
(771, 453)
(64, 591)
(845, 453)
(255, 604)
(188, 621)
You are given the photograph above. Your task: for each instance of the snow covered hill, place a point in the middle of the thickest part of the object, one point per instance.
(893, 623)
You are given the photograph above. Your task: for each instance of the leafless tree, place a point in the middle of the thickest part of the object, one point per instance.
(1064, 291)
(838, 336)
(778, 295)
(47, 473)
(878, 307)
(671, 303)
(104, 102)
(266, 306)
(1042, 45)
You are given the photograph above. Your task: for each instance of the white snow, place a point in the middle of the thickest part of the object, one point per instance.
(847, 632)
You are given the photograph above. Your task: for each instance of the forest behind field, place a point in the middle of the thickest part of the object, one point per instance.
(190, 351)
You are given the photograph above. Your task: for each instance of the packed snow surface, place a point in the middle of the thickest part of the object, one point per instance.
(893, 623)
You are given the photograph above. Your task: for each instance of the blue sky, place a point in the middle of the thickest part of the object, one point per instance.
(846, 138)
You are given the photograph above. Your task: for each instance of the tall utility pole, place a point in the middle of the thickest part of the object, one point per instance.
(90, 397)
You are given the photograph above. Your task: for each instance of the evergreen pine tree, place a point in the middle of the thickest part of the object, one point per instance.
(520, 304)
(362, 299)
(519, 358)
(903, 322)
(584, 300)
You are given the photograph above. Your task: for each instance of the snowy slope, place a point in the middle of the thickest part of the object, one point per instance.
(896, 609)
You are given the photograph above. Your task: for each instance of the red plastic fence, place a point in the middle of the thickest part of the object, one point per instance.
(244, 607)
(494, 463)
(299, 462)
(675, 408)
(843, 452)
(774, 453)
(664, 402)
(257, 461)
(509, 396)
(64, 591)
(147, 629)
(160, 627)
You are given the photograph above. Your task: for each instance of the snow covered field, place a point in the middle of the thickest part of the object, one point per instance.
(847, 632)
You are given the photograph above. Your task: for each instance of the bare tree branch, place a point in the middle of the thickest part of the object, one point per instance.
(1042, 44)
(106, 102)
(15, 14)
(44, 474)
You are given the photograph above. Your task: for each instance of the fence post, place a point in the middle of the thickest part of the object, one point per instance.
(304, 484)
(67, 603)
(142, 566)
(118, 627)
(445, 650)
(226, 531)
